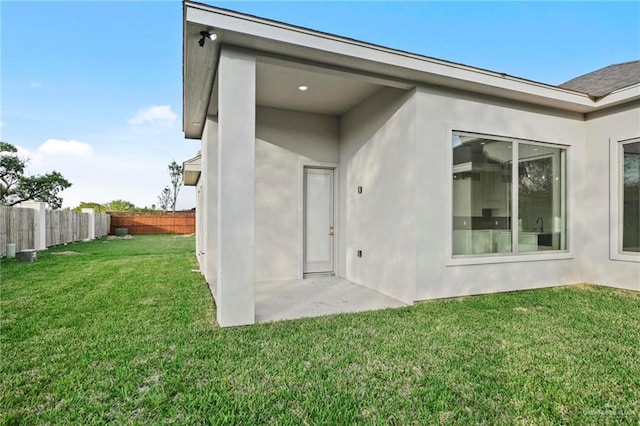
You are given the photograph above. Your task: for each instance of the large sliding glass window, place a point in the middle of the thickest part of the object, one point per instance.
(631, 197)
(482, 180)
(496, 180)
(541, 198)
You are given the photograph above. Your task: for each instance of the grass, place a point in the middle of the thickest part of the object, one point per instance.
(123, 331)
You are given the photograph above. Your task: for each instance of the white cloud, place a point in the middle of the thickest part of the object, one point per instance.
(23, 152)
(110, 176)
(35, 85)
(54, 152)
(129, 163)
(160, 114)
(66, 148)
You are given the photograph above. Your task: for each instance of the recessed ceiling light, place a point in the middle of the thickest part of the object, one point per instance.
(196, 123)
(303, 88)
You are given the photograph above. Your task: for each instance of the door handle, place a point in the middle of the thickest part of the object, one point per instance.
(331, 230)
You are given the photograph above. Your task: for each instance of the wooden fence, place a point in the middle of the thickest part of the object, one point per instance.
(155, 223)
(61, 227)
(102, 225)
(16, 226)
(66, 227)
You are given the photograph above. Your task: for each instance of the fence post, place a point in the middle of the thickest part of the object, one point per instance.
(91, 235)
(39, 223)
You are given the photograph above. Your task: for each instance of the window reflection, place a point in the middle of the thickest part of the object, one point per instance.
(541, 218)
(631, 198)
(482, 196)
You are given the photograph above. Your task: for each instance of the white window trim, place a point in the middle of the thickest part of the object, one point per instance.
(615, 200)
(490, 258)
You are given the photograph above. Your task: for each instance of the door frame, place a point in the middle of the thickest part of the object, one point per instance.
(302, 164)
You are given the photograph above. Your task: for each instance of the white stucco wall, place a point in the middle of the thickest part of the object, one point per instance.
(397, 146)
(208, 186)
(439, 112)
(603, 129)
(285, 140)
(199, 225)
(236, 187)
(377, 150)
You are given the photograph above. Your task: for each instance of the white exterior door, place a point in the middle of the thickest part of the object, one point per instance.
(318, 220)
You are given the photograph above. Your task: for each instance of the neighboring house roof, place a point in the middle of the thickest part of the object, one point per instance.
(191, 170)
(606, 80)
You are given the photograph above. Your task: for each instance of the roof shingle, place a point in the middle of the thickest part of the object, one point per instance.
(606, 80)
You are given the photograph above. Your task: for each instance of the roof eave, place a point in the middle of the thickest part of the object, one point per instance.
(262, 35)
(620, 96)
(190, 178)
(191, 170)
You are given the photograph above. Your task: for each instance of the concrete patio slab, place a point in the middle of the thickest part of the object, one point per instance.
(313, 297)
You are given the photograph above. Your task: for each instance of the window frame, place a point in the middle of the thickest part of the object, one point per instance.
(515, 256)
(616, 192)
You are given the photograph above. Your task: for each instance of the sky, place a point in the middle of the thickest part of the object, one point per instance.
(94, 89)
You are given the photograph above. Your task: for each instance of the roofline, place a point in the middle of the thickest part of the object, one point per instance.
(192, 160)
(270, 33)
(624, 94)
(298, 28)
(598, 71)
(191, 171)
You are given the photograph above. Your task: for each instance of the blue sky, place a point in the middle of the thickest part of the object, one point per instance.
(93, 89)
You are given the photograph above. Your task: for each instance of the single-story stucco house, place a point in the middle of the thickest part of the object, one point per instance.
(411, 176)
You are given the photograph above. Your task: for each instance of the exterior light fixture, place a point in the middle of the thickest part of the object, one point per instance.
(303, 88)
(207, 35)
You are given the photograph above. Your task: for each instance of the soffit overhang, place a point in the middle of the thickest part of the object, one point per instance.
(270, 38)
(191, 170)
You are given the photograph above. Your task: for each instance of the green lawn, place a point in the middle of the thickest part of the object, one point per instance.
(123, 331)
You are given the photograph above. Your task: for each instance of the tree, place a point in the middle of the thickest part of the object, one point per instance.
(15, 187)
(115, 206)
(631, 169)
(535, 176)
(120, 206)
(175, 171)
(99, 208)
(165, 198)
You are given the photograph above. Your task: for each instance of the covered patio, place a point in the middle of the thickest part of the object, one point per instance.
(285, 154)
(314, 297)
